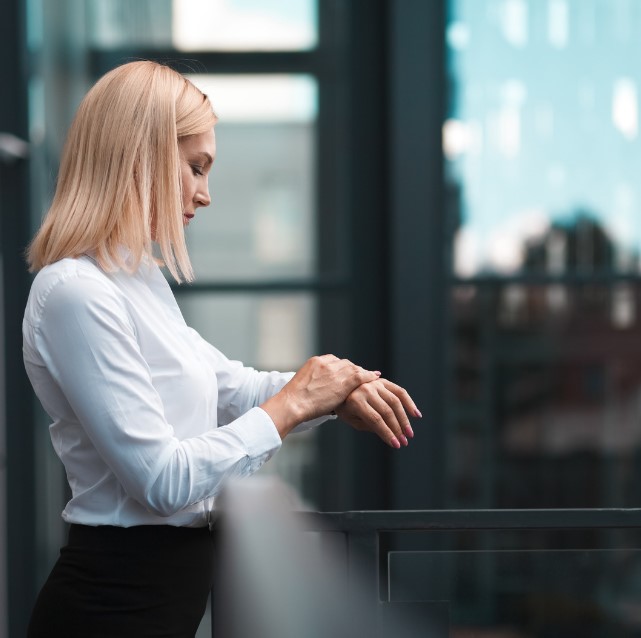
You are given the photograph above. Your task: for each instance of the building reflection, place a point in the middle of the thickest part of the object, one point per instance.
(546, 389)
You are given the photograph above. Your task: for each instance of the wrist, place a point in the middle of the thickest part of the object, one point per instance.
(284, 412)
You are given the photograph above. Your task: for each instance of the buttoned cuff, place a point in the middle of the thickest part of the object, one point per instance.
(260, 436)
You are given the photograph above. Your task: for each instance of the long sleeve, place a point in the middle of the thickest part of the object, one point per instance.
(241, 388)
(88, 342)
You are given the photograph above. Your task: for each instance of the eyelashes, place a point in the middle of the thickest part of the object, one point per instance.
(197, 170)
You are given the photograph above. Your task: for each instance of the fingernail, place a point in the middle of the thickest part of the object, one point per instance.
(377, 372)
(417, 412)
(394, 443)
(404, 440)
(409, 431)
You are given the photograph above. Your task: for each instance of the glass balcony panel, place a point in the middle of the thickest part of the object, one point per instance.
(519, 594)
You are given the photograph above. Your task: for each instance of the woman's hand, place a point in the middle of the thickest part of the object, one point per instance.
(317, 389)
(380, 407)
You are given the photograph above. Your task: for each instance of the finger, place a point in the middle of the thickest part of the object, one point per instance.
(358, 369)
(404, 396)
(376, 424)
(380, 427)
(391, 411)
(354, 376)
(389, 406)
(396, 404)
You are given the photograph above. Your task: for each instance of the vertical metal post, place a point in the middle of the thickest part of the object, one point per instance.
(418, 268)
(18, 412)
(366, 146)
(353, 230)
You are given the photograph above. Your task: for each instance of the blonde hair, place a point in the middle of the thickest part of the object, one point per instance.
(119, 180)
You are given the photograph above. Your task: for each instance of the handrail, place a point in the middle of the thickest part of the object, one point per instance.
(480, 519)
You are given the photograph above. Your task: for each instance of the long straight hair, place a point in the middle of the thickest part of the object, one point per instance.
(119, 182)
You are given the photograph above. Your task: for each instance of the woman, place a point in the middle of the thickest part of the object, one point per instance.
(136, 397)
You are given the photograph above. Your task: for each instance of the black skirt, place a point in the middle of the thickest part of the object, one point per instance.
(127, 581)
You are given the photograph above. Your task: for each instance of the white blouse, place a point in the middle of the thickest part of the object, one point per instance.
(136, 398)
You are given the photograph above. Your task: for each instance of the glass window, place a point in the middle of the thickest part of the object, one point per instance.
(268, 331)
(545, 396)
(204, 25)
(120, 23)
(543, 131)
(542, 158)
(233, 25)
(261, 224)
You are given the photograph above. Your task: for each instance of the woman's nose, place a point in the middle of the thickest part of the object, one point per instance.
(202, 196)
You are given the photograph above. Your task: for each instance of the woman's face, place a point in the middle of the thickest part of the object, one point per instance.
(197, 154)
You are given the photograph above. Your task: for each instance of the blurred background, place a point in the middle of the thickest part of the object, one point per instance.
(444, 190)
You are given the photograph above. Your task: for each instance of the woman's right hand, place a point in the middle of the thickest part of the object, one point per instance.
(381, 407)
(317, 389)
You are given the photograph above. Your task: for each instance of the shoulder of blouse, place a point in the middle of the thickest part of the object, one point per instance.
(75, 281)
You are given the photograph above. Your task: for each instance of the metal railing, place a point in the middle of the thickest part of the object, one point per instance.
(363, 530)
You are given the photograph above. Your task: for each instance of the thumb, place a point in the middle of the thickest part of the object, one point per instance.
(365, 376)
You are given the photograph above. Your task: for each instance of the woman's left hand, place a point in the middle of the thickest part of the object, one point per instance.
(381, 407)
